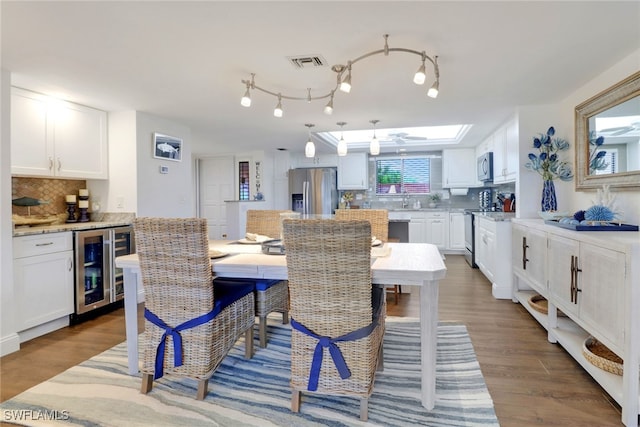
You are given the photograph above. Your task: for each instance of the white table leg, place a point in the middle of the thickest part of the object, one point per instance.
(131, 317)
(429, 340)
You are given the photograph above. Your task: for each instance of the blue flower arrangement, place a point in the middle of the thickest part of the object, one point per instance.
(547, 163)
(596, 156)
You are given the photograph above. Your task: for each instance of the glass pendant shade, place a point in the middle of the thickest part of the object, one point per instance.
(342, 147)
(246, 99)
(310, 149)
(374, 146)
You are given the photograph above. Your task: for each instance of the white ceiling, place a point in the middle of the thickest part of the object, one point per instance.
(185, 60)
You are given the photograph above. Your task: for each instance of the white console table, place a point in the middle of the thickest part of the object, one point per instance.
(594, 278)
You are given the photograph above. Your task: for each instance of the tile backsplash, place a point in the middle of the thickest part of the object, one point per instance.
(45, 189)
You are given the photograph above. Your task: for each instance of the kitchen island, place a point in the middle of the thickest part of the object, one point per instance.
(417, 264)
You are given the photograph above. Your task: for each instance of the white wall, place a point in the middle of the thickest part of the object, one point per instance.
(122, 182)
(9, 340)
(168, 195)
(628, 201)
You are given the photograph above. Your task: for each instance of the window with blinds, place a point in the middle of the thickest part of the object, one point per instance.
(409, 175)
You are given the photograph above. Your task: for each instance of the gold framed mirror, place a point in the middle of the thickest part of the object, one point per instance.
(608, 137)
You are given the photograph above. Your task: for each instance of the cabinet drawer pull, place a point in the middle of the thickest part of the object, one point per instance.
(44, 244)
(524, 253)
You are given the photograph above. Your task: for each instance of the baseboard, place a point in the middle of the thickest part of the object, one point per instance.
(9, 344)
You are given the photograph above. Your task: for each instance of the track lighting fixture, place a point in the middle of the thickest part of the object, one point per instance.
(433, 90)
(342, 144)
(310, 148)
(343, 79)
(345, 85)
(374, 146)
(277, 112)
(246, 98)
(421, 74)
(328, 109)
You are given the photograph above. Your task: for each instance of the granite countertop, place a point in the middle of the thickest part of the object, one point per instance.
(105, 220)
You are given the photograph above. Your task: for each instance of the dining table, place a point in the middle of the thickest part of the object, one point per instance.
(417, 264)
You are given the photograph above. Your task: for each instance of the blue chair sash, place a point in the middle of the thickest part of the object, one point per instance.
(175, 336)
(334, 350)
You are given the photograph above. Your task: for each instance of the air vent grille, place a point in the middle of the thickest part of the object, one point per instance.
(307, 61)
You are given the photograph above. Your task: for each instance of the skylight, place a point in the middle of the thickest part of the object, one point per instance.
(392, 139)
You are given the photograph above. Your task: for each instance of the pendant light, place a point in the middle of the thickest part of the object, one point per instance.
(310, 148)
(374, 146)
(342, 144)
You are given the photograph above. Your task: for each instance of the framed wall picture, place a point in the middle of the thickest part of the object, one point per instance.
(167, 147)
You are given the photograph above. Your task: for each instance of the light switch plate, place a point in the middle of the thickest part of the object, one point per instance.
(164, 169)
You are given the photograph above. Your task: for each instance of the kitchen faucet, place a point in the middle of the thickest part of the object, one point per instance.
(405, 200)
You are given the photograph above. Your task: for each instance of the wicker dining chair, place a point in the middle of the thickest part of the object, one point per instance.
(203, 322)
(271, 296)
(334, 305)
(379, 219)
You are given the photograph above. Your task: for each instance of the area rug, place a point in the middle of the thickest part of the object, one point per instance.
(256, 392)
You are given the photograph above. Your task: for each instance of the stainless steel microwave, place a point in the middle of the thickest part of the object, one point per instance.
(485, 167)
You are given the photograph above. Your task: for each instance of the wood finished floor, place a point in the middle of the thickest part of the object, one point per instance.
(532, 382)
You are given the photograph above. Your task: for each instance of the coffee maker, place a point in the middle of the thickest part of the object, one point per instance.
(485, 198)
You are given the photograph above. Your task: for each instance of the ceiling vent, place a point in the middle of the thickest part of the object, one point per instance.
(308, 61)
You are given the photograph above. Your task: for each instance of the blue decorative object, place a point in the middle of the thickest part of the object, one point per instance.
(599, 213)
(549, 165)
(596, 155)
(579, 216)
(549, 201)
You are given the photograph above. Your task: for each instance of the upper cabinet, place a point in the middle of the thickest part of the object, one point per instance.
(54, 138)
(505, 153)
(353, 171)
(459, 168)
(318, 161)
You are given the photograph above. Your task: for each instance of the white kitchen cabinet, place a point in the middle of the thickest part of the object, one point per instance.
(456, 231)
(417, 228)
(56, 138)
(529, 256)
(429, 227)
(594, 278)
(437, 229)
(505, 153)
(493, 253)
(318, 161)
(353, 171)
(43, 282)
(459, 168)
(577, 273)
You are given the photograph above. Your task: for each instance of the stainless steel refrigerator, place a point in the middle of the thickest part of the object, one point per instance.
(313, 191)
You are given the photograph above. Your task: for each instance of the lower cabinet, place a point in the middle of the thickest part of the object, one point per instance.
(456, 231)
(594, 279)
(43, 282)
(493, 253)
(430, 227)
(529, 253)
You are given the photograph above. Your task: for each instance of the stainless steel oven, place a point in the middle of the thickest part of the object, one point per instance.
(469, 239)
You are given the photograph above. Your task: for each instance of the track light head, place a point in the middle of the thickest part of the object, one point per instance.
(277, 112)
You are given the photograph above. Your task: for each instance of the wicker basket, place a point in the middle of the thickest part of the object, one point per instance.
(599, 355)
(540, 304)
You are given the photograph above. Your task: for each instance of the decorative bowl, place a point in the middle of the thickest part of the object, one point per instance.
(550, 215)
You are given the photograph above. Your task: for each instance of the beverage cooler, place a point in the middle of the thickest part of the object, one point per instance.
(98, 281)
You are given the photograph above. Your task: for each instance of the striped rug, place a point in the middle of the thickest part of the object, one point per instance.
(255, 392)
